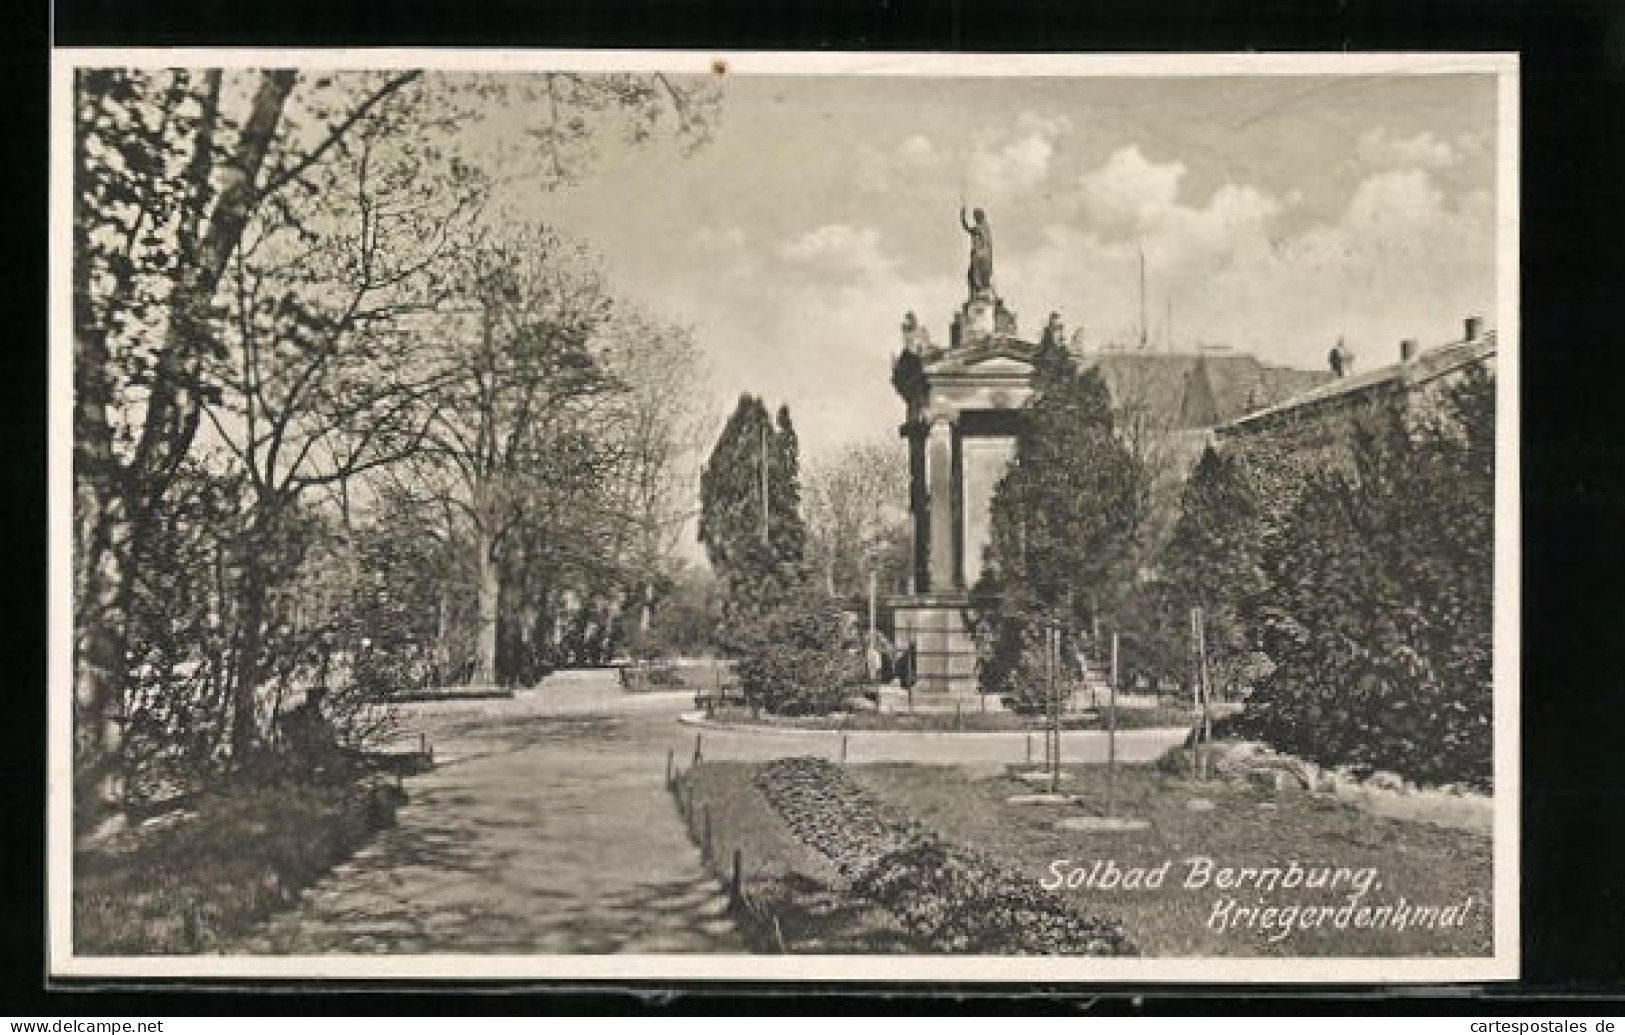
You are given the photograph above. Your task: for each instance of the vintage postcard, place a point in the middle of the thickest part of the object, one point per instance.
(661, 515)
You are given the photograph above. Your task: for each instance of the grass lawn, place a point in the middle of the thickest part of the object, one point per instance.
(1429, 866)
(238, 853)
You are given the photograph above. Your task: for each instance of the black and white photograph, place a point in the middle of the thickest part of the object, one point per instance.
(749, 515)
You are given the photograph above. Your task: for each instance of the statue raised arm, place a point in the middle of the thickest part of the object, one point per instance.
(980, 274)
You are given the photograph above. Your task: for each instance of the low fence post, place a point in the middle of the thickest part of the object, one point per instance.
(705, 849)
(699, 754)
(671, 758)
(843, 749)
(1029, 748)
(738, 875)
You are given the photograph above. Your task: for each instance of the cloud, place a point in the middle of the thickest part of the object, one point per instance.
(839, 250)
(915, 157)
(1007, 163)
(1016, 163)
(918, 152)
(1131, 202)
(1129, 191)
(1402, 256)
(1380, 149)
(725, 249)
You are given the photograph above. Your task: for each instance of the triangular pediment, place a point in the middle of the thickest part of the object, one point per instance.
(1001, 356)
(999, 365)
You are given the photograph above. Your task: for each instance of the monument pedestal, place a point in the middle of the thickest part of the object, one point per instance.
(938, 627)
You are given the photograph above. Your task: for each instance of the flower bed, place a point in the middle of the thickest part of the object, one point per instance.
(952, 899)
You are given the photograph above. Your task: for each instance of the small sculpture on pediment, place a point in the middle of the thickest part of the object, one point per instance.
(1341, 359)
(915, 337)
(1054, 331)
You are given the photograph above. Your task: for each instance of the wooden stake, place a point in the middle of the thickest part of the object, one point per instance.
(872, 638)
(671, 760)
(698, 754)
(1196, 694)
(1055, 713)
(705, 814)
(739, 870)
(843, 749)
(1111, 736)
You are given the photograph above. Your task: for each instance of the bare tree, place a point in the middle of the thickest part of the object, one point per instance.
(324, 377)
(657, 430)
(170, 169)
(857, 516)
(520, 370)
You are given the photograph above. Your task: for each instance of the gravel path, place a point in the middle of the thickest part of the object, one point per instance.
(545, 829)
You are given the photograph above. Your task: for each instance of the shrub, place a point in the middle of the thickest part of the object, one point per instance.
(1380, 619)
(1018, 671)
(793, 658)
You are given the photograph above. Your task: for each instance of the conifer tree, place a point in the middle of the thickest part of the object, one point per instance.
(750, 520)
(1065, 517)
(1213, 561)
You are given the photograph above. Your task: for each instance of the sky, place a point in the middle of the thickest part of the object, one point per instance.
(1275, 214)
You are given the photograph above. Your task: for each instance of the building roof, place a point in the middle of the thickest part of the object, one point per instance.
(1428, 366)
(1187, 390)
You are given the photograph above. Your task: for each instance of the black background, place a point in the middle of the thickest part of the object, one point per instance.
(1573, 313)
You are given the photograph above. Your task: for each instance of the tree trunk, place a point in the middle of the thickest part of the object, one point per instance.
(112, 550)
(487, 595)
(245, 692)
(442, 636)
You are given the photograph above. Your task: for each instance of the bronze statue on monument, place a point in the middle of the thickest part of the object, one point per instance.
(980, 274)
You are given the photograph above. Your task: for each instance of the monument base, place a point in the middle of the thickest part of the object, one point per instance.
(938, 627)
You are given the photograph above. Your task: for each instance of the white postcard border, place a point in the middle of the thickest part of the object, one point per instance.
(1503, 965)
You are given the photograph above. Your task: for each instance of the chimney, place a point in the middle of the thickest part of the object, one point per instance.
(1407, 350)
(1475, 328)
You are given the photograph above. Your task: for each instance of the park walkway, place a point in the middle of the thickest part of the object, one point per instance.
(545, 826)
(545, 829)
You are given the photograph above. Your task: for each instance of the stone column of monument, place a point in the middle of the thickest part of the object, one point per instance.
(940, 472)
(957, 496)
(918, 507)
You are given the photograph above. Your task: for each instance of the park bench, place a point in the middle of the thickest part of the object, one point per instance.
(710, 698)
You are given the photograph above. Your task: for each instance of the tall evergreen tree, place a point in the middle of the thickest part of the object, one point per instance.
(750, 520)
(787, 533)
(1065, 516)
(1212, 561)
